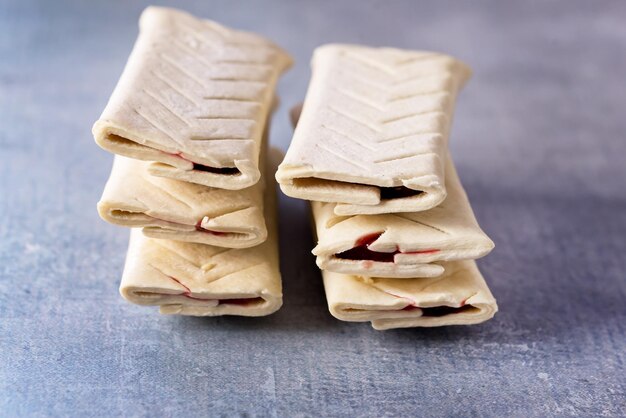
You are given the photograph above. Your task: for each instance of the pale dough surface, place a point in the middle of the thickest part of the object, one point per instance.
(383, 301)
(171, 209)
(373, 117)
(206, 272)
(450, 228)
(193, 91)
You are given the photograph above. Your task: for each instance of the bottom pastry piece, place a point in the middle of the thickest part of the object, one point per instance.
(202, 280)
(459, 297)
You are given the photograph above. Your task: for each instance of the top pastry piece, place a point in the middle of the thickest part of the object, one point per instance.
(374, 129)
(194, 98)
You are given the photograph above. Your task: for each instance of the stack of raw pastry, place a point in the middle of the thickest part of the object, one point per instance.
(396, 234)
(188, 122)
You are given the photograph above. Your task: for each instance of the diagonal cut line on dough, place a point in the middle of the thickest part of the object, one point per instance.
(415, 95)
(192, 51)
(178, 253)
(239, 62)
(469, 297)
(369, 63)
(240, 270)
(404, 136)
(359, 99)
(425, 113)
(256, 65)
(224, 118)
(210, 63)
(412, 60)
(145, 206)
(150, 180)
(336, 154)
(443, 76)
(229, 211)
(422, 223)
(230, 99)
(177, 89)
(403, 157)
(371, 283)
(355, 77)
(414, 78)
(160, 129)
(353, 118)
(238, 80)
(434, 282)
(356, 141)
(159, 101)
(182, 70)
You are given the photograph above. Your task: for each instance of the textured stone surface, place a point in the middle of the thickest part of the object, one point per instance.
(539, 142)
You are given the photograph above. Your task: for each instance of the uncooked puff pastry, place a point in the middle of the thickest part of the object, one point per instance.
(182, 211)
(459, 297)
(374, 130)
(193, 99)
(203, 280)
(401, 245)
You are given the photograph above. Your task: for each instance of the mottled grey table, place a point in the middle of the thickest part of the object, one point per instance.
(540, 142)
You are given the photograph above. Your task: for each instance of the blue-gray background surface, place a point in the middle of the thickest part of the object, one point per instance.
(539, 139)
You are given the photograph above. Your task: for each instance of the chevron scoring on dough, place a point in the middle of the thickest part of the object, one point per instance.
(193, 99)
(203, 280)
(374, 129)
(173, 209)
(402, 245)
(459, 297)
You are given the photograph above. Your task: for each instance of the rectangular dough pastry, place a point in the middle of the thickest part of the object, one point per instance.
(459, 297)
(374, 129)
(401, 245)
(193, 99)
(203, 280)
(182, 211)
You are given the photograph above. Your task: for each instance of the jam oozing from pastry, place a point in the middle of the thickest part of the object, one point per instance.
(361, 251)
(398, 192)
(201, 229)
(208, 169)
(217, 170)
(439, 310)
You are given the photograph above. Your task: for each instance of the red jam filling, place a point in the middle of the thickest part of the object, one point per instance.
(241, 302)
(439, 310)
(398, 192)
(208, 169)
(217, 170)
(361, 251)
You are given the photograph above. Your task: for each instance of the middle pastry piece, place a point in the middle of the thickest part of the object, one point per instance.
(401, 245)
(181, 211)
(202, 280)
